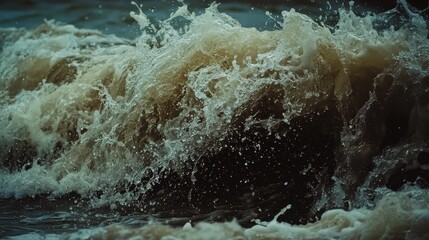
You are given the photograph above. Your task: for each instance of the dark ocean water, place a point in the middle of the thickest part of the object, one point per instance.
(194, 120)
(113, 16)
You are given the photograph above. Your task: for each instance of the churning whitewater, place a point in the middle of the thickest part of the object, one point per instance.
(309, 131)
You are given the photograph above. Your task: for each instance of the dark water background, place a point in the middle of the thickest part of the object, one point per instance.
(113, 16)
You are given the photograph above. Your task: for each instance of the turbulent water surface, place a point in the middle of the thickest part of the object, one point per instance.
(198, 120)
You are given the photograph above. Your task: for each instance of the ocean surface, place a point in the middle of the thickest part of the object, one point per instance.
(201, 120)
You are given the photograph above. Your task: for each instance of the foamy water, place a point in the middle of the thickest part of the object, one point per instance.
(310, 130)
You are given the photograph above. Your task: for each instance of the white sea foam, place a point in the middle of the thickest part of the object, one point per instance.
(403, 215)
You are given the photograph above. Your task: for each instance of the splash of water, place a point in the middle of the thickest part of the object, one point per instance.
(113, 120)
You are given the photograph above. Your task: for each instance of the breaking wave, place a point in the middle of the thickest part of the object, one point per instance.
(202, 118)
